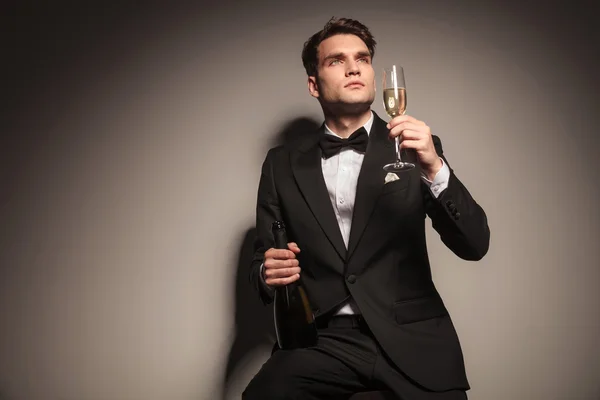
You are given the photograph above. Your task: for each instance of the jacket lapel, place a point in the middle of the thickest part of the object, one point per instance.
(306, 166)
(380, 151)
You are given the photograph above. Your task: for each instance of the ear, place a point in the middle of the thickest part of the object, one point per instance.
(313, 87)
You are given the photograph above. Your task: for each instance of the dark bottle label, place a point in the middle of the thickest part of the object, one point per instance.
(294, 321)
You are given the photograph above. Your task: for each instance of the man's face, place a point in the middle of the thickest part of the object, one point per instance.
(346, 80)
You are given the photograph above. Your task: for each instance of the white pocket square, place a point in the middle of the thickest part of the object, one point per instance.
(390, 177)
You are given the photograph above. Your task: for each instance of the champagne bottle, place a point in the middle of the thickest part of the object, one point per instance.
(294, 320)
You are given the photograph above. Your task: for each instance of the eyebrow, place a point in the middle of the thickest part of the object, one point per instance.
(342, 55)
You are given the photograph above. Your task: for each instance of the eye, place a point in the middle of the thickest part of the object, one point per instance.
(364, 59)
(334, 62)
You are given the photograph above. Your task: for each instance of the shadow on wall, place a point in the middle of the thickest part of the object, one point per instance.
(253, 320)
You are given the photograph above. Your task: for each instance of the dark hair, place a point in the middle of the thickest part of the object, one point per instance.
(335, 26)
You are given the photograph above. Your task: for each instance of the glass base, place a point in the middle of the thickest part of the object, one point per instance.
(399, 166)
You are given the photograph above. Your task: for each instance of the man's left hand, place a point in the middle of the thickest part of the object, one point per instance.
(415, 134)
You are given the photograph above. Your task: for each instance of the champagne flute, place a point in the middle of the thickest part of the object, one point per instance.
(394, 102)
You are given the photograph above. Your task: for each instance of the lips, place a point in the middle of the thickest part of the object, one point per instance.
(354, 83)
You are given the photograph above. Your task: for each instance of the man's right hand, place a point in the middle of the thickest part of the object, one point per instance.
(281, 266)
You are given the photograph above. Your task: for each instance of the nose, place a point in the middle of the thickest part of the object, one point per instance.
(352, 68)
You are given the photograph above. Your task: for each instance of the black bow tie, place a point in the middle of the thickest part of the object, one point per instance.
(331, 145)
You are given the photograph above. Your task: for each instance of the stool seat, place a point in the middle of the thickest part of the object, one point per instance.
(373, 395)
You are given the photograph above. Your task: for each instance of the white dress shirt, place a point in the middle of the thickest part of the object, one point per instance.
(341, 176)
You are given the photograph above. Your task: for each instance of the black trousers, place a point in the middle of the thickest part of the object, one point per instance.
(346, 360)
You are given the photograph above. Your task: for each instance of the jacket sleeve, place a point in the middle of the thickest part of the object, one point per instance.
(267, 211)
(456, 216)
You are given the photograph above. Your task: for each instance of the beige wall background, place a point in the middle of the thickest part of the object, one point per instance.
(131, 149)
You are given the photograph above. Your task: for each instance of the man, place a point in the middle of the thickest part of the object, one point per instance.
(359, 242)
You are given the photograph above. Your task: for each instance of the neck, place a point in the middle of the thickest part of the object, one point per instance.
(345, 125)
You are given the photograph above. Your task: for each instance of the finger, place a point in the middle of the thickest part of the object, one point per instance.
(282, 281)
(412, 144)
(408, 125)
(281, 254)
(398, 129)
(281, 272)
(417, 121)
(294, 247)
(401, 119)
(272, 263)
(414, 133)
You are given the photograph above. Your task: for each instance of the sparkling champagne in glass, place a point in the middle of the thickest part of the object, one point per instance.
(394, 102)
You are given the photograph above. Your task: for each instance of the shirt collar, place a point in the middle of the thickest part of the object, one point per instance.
(367, 127)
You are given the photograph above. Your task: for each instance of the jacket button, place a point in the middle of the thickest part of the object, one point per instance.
(351, 278)
(449, 203)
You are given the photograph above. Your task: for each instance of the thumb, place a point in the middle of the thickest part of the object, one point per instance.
(294, 247)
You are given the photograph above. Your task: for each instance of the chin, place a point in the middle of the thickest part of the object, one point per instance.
(353, 108)
(356, 100)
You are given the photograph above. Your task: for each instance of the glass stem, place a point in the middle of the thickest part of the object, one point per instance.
(398, 159)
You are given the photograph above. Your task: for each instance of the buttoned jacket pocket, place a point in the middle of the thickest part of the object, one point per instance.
(419, 309)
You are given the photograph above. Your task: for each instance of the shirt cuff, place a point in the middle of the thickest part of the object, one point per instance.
(268, 288)
(440, 181)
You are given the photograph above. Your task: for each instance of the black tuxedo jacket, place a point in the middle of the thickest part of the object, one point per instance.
(386, 267)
